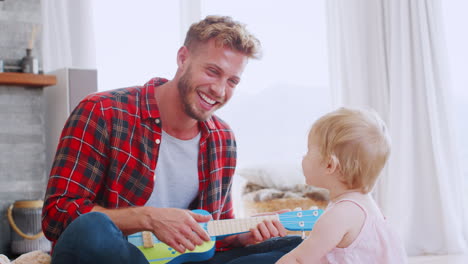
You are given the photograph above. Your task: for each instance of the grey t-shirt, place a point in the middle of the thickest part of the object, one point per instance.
(176, 175)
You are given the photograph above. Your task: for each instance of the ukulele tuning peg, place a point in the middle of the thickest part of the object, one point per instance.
(297, 209)
(313, 207)
(303, 236)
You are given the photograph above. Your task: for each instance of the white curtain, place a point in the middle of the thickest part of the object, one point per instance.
(390, 55)
(68, 35)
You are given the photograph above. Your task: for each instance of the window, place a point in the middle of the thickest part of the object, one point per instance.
(454, 16)
(280, 95)
(135, 41)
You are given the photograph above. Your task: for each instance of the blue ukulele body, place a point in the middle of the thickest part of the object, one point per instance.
(160, 253)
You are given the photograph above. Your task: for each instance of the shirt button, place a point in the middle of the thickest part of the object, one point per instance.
(157, 141)
(157, 121)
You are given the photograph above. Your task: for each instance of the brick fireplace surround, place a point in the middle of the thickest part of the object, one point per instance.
(23, 172)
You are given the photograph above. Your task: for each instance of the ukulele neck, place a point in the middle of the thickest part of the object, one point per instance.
(235, 226)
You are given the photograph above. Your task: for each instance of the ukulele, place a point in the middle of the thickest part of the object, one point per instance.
(156, 252)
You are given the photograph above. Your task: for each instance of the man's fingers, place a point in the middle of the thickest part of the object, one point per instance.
(195, 238)
(203, 234)
(187, 244)
(200, 232)
(256, 234)
(195, 226)
(273, 230)
(265, 233)
(200, 218)
(282, 231)
(183, 242)
(175, 245)
(192, 235)
(180, 229)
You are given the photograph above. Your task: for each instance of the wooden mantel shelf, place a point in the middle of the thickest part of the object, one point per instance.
(27, 79)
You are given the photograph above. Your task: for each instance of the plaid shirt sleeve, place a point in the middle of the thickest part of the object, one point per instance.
(80, 163)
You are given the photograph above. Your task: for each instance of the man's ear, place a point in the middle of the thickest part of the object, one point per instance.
(332, 164)
(182, 57)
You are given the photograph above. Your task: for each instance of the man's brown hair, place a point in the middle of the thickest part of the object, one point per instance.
(226, 32)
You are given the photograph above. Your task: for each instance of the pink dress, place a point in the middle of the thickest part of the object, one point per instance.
(377, 243)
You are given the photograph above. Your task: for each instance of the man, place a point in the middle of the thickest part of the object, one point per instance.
(137, 158)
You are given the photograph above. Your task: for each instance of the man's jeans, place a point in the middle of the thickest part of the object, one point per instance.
(93, 238)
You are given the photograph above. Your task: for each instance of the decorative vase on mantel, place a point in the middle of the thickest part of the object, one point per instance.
(29, 64)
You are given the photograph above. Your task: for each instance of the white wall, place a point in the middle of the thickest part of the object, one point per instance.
(135, 41)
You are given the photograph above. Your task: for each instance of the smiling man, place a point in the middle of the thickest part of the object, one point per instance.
(141, 158)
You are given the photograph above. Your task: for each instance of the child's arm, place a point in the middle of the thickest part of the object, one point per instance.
(328, 232)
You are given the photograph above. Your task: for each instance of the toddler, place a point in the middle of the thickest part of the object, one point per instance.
(347, 150)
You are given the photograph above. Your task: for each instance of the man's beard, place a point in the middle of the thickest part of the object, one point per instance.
(184, 85)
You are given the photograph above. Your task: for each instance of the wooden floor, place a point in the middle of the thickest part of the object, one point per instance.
(452, 259)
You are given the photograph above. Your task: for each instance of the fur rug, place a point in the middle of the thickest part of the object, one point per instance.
(34, 257)
(258, 199)
(256, 193)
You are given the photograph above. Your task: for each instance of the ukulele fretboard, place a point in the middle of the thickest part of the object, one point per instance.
(234, 226)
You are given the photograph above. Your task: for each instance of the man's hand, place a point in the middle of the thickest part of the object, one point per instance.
(265, 230)
(178, 228)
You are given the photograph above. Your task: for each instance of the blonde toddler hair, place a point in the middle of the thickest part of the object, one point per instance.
(357, 140)
(226, 32)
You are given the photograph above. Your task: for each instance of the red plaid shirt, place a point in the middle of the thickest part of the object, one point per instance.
(108, 153)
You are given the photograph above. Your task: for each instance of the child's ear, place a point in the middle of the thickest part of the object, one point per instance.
(332, 164)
